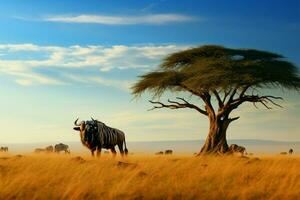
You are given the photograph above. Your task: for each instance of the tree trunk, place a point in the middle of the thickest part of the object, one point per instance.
(216, 142)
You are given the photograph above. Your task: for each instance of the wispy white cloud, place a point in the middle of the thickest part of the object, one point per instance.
(119, 84)
(27, 79)
(28, 64)
(19, 47)
(123, 85)
(121, 20)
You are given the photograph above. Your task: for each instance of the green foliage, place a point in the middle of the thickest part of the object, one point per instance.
(159, 81)
(211, 67)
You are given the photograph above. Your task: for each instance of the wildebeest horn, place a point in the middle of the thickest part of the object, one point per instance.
(93, 119)
(76, 122)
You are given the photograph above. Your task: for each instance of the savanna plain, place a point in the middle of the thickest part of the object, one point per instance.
(72, 176)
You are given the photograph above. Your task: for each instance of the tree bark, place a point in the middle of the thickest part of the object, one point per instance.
(216, 142)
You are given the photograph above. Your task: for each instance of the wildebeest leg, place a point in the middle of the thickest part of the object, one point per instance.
(113, 151)
(120, 145)
(98, 152)
(92, 151)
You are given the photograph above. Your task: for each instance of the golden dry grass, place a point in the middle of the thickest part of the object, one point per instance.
(166, 177)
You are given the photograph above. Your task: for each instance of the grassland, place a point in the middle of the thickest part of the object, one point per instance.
(165, 177)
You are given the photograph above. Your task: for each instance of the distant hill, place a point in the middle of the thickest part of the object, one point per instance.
(180, 147)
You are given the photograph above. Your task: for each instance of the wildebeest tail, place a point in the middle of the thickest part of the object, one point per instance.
(125, 150)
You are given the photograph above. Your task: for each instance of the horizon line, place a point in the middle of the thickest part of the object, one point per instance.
(263, 140)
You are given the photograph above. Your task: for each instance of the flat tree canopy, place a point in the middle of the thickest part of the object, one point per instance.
(229, 75)
(210, 68)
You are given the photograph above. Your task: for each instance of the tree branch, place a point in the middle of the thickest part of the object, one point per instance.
(264, 100)
(205, 96)
(220, 102)
(233, 119)
(190, 90)
(226, 108)
(244, 90)
(208, 106)
(271, 101)
(226, 93)
(232, 95)
(177, 105)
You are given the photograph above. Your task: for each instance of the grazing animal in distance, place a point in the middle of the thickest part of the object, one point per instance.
(39, 150)
(4, 149)
(49, 149)
(234, 148)
(283, 153)
(291, 151)
(61, 147)
(168, 152)
(159, 153)
(96, 135)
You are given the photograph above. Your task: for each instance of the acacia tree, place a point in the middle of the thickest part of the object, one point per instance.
(223, 79)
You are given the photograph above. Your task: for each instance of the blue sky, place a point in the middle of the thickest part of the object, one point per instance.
(63, 59)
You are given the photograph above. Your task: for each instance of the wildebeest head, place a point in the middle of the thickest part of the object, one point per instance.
(88, 130)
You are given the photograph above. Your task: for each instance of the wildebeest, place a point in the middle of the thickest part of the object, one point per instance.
(96, 135)
(61, 147)
(234, 148)
(39, 150)
(4, 149)
(159, 153)
(168, 152)
(283, 153)
(49, 149)
(291, 151)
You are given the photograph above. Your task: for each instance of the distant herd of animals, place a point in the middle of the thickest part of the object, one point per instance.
(65, 148)
(167, 152)
(96, 135)
(3, 149)
(291, 151)
(57, 148)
